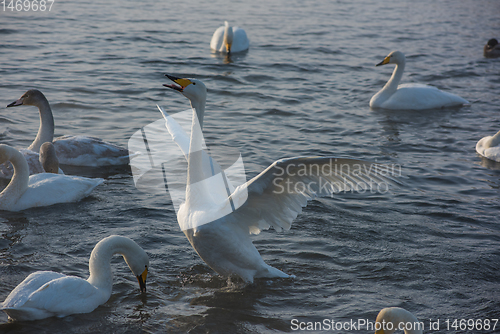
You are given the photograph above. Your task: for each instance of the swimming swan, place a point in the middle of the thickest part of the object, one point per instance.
(44, 189)
(71, 150)
(274, 198)
(492, 49)
(227, 39)
(410, 96)
(48, 159)
(489, 147)
(392, 319)
(45, 294)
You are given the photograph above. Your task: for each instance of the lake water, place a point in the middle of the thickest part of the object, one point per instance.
(430, 245)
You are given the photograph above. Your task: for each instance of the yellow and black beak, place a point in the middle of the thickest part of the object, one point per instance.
(385, 61)
(16, 103)
(228, 47)
(181, 83)
(142, 279)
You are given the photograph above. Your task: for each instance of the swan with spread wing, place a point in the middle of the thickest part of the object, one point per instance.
(273, 198)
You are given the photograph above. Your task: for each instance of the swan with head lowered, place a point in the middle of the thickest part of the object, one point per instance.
(43, 189)
(489, 147)
(392, 319)
(70, 150)
(410, 96)
(227, 39)
(45, 294)
(273, 198)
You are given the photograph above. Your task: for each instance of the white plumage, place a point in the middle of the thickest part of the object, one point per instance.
(43, 189)
(272, 198)
(393, 319)
(489, 147)
(46, 294)
(410, 96)
(227, 39)
(71, 150)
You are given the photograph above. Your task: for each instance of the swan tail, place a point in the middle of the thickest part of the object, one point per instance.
(271, 272)
(26, 313)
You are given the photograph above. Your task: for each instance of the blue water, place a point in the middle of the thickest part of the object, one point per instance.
(431, 245)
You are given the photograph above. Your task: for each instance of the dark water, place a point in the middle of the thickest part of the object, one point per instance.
(430, 246)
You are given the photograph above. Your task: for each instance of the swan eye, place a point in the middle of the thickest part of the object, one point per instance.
(194, 83)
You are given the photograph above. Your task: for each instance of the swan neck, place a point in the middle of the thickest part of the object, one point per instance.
(195, 190)
(100, 261)
(19, 182)
(195, 146)
(392, 85)
(46, 129)
(199, 109)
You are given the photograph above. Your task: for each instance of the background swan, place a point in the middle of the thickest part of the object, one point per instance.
(227, 39)
(71, 150)
(410, 96)
(489, 147)
(224, 243)
(48, 159)
(44, 189)
(396, 318)
(46, 294)
(492, 49)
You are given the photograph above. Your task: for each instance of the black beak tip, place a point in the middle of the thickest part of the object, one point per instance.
(171, 77)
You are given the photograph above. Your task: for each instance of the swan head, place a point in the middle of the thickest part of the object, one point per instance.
(395, 57)
(391, 319)
(48, 158)
(33, 97)
(228, 36)
(193, 89)
(139, 264)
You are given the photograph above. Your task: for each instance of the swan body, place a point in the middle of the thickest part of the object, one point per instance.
(410, 96)
(70, 150)
(46, 294)
(223, 240)
(227, 39)
(44, 189)
(492, 49)
(489, 147)
(392, 319)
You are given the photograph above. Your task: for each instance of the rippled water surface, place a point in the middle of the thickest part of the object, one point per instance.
(430, 245)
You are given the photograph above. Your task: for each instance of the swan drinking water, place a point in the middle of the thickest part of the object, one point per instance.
(227, 39)
(46, 294)
(410, 96)
(44, 189)
(274, 198)
(489, 147)
(71, 150)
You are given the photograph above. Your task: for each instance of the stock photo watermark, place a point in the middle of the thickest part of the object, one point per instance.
(161, 151)
(330, 325)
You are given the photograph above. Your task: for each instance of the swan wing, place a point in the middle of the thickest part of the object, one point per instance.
(217, 39)
(89, 151)
(47, 189)
(60, 296)
(492, 153)
(277, 195)
(210, 166)
(240, 40)
(420, 97)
